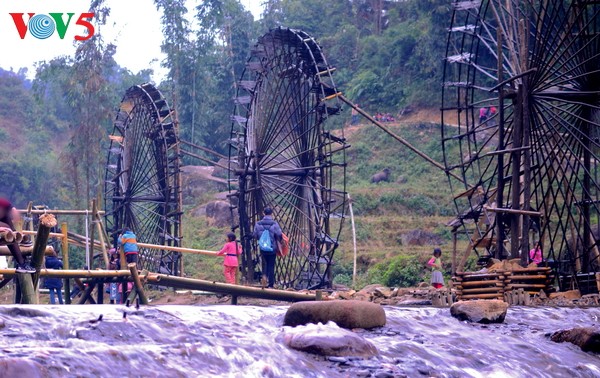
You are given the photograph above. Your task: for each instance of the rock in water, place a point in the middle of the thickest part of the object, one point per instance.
(346, 314)
(21, 367)
(587, 338)
(481, 311)
(328, 340)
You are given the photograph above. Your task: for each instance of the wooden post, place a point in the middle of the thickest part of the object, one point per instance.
(46, 222)
(353, 241)
(64, 228)
(454, 243)
(500, 179)
(98, 222)
(28, 294)
(137, 283)
(319, 295)
(100, 294)
(92, 239)
(234, 300)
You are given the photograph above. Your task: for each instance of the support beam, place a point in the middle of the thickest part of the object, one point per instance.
(74, 273)
(138, 284)
(223, 288)
(46, 222)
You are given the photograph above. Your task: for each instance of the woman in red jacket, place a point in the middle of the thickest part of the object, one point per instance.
(231, 250)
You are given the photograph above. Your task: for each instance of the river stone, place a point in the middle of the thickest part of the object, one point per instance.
(346, 314)
(21, 367)
(569, 295)
(328, 340)
(480, 311)
(587, 338)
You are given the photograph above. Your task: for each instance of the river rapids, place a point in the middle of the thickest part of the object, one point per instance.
(236, 341)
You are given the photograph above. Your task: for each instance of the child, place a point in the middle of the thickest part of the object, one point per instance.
(535, 255)
(437, 280)
(230, 250)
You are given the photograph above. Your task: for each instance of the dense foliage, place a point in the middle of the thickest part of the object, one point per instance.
(387, 55)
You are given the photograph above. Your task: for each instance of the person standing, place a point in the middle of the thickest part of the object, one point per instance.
(6, 224)
(437, 279)
(54, 285)
(268, 243)
(231, 250)
(535, 255)
(128, 243)
(483, 114)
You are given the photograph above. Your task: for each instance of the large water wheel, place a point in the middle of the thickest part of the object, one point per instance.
(529, 169)
(142, 187)
(283, 156)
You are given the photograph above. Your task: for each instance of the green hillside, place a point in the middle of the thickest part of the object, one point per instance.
(398, 223)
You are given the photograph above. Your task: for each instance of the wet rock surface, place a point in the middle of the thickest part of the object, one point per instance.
(226, 341)
(587, 338)
(480, 311)
(346, 314)
(328, 340)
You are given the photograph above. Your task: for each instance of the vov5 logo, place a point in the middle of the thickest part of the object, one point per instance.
(42, 26)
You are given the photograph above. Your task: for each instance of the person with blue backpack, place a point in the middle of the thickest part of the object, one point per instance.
(128, 243)
(268, 234)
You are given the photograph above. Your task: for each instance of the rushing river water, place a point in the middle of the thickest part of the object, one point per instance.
(236, 341)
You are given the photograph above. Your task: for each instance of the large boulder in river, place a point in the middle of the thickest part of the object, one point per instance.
(587, 338)
(346, 314)
(21, 367)
(328, 340)
(480, 311)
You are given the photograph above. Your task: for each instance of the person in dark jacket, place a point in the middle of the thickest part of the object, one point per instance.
(268, 257)
(54, 285)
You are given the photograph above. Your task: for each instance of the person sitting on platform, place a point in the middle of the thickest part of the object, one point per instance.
(6, 224)
(230, 250)
(54, 285)
(128, 243)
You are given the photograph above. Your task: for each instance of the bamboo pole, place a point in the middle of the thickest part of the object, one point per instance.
(74, 273)
(28, 294)
(138, 284)
(46, 222)
(58, 212)
(51, 234)
(97, 221)
(353, 241)
(223, 288)
(92, 234)
(64, 228)
(177, 249)
(4, 251)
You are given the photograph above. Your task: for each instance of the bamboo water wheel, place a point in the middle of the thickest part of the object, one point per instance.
(530, 169)
(283, 156)
(142, 183)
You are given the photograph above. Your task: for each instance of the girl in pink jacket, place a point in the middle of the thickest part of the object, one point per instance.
(230, 250)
